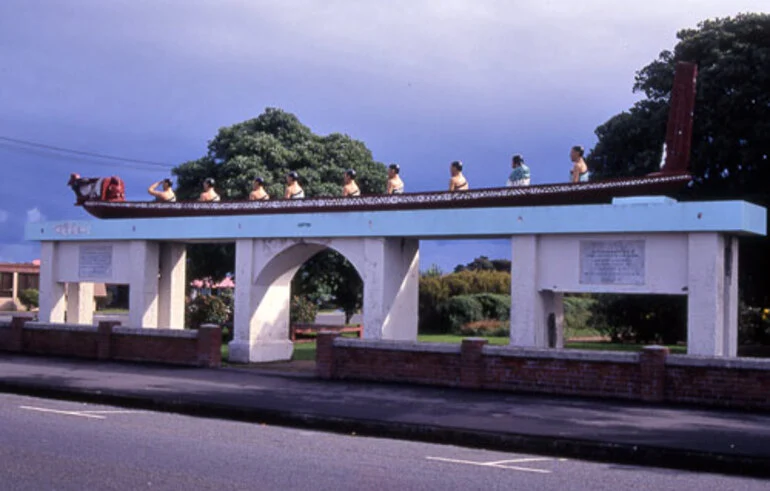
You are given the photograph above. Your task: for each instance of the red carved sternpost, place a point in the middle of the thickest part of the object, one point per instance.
(680, 119)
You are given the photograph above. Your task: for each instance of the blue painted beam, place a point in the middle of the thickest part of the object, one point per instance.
(638, 215)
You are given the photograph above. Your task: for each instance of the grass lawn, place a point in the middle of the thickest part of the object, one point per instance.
(306, 351)
(581, 333)
(112, 311)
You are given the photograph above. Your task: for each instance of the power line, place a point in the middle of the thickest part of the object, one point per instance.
(85, 153)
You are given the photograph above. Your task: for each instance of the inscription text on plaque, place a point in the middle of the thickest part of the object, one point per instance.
(612, 262)
(95, 261)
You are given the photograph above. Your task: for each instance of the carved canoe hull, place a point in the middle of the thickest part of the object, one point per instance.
(662, 184)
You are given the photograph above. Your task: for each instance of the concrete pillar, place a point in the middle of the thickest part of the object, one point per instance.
(391, 277)
(731, 296)
(143, 284)
(712, 295)
(529, 307)
(263, 272)
(553, 305)
(52, 305)
(80, 303)
(15, 288)
(171, 289)
(264, 269)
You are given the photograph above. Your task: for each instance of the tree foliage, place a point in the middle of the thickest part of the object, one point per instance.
(731, 131)
(483, 263)
(270, 146)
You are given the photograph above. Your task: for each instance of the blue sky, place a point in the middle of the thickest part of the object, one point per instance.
(420, 82)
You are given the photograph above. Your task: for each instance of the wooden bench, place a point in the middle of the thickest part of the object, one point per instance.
(299, 333)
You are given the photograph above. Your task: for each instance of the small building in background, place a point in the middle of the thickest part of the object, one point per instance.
(14, 278)
(17, 277)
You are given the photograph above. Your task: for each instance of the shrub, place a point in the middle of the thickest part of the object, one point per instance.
(303, 311)
(105, 301)
(206, 309)
(495, 306)
(490, 328)
(30, 298)
(641, 318)
(578, 312)
(753, 325)
(459, 311)
(433, 292)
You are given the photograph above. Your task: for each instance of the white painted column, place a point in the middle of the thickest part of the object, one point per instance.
(52, 304)
(731, 297)
(264, 269)
(529, 308)
(80, 303)
(243, 310)
(712, 297)
(171, 289)
(553, 304)
(15, 288)
(391, 277)
(143, 284)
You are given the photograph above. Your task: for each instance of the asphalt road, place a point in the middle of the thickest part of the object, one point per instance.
(60, 445)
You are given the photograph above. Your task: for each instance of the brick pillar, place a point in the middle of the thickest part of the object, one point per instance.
(652, 361)
(472, 363)
(16, 343)
(210, 346)
(324, 355)
(104, 342)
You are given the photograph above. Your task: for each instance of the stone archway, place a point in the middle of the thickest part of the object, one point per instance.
(389, 270)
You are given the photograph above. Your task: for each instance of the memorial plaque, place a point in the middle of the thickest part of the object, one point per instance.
(95, 262)
(612, 262)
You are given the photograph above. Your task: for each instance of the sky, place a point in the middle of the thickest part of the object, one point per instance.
(420, 82)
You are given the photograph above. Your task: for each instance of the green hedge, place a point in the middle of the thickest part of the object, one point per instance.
(458, 311)
(436, 290)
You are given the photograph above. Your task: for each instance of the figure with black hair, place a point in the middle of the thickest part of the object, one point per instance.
(395, 184)
(520, 173)
(167, 194)
(579, 171)
(209, 194)
(458, 182)
(350, 188)
(293, 189)
(258, 192)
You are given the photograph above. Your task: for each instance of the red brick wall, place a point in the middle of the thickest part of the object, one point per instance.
(742, 387)
(197, 348)
(397, 366)
(130, 347)
(652, 375)
(554, 376)
(82, 344)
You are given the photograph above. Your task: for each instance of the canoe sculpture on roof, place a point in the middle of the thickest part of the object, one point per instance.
(104, 197)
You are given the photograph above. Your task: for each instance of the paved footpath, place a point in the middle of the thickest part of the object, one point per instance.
(679, 437)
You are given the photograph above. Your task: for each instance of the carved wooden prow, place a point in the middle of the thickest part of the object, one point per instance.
(680, 120)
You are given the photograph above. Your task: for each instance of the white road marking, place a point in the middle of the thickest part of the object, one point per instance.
(68, 413)
(109, 412)
(490, 464)
(520, 461)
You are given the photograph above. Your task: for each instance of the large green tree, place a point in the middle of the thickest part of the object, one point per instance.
(269, 146)
(731, 132)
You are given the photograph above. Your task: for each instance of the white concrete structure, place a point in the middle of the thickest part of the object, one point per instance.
(389, 269)
(635, 245)
(693, 264)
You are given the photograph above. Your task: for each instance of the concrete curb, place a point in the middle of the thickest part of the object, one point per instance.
(744, 465)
